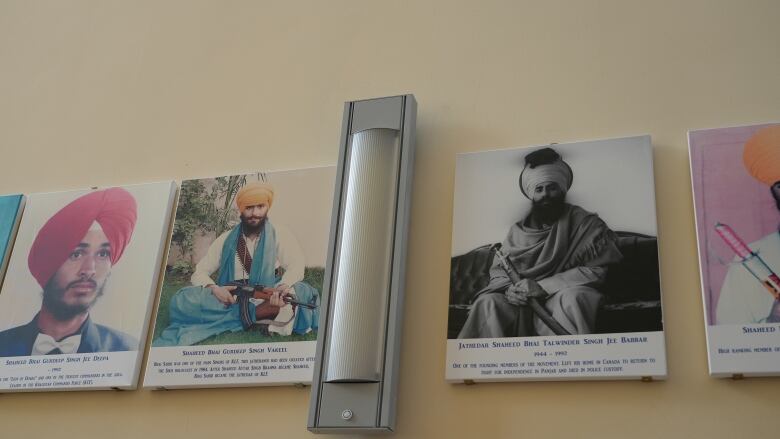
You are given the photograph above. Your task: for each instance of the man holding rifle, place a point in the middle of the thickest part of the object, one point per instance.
(559, 253)
(743, 298)
(259, 281)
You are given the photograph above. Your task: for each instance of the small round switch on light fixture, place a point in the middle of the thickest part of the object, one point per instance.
(346, 415)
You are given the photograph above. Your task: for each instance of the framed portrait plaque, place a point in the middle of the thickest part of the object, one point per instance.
(736, 190)
(11, 207)
(80, 285)
(240, 300)
(554, 267)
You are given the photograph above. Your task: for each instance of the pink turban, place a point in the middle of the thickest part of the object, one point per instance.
(114, 209)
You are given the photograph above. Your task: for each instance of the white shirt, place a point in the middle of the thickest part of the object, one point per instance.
(743, 299)
(45, 343)
(289, 257)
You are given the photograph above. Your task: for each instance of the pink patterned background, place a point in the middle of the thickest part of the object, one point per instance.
(724, 192)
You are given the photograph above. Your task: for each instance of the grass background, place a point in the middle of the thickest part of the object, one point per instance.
(312, 275)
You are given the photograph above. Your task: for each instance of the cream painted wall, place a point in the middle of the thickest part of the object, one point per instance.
(109, 92)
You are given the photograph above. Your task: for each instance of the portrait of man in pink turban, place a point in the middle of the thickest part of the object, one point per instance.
(71, 258)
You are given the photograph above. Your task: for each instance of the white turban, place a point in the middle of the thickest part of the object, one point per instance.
(558, 172)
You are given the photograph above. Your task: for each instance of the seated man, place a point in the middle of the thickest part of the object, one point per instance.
(253, 253)
(560, 251)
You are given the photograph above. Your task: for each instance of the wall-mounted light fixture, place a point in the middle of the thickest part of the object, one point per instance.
(356, 372)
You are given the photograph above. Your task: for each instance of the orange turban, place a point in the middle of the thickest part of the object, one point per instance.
(114, 209)
(762, 155)
(253, 194)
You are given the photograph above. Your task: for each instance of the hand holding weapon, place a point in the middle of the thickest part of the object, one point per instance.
(755, 265)
(533, 302)
(265, 293)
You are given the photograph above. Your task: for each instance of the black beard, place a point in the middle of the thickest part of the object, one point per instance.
(52, 301)
(775, 190)
(250, 229)
(547, 210)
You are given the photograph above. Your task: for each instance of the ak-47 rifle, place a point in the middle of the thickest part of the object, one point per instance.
(263, 292)
(244, 292)
(537, 307)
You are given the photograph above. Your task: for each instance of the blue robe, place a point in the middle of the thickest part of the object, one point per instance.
(18, 341)
(196, 314)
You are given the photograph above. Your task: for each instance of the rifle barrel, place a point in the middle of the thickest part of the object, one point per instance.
(263, 292)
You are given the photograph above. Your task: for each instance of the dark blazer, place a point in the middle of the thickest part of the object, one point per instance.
(18, 341)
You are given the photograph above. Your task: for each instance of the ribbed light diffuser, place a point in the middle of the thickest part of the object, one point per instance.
(364, 255)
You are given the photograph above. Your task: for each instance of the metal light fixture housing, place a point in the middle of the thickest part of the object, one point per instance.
(356, 372)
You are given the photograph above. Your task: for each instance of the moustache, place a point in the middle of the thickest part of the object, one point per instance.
(83, 283)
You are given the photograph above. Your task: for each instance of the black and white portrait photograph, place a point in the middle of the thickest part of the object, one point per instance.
(555, 240)
(554, 264)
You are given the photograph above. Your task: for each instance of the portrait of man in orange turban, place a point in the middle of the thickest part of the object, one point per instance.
(250, 279)
(743, 299)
